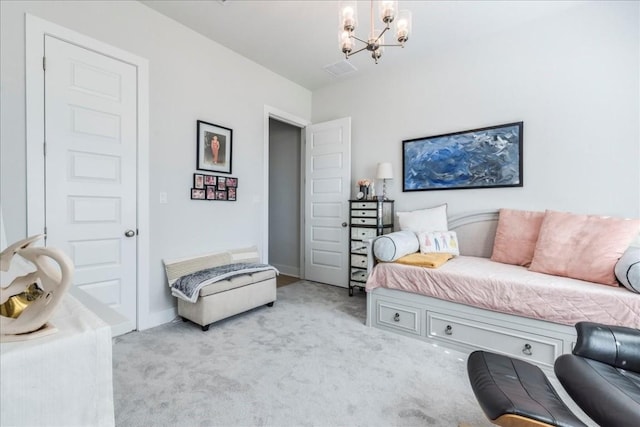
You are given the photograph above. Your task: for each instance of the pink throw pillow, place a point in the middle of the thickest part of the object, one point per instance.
(516, 236)
(584, 247)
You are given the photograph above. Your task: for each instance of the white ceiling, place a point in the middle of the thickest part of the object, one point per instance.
(296, 39)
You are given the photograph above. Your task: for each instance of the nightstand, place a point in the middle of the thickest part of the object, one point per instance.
(368, 219)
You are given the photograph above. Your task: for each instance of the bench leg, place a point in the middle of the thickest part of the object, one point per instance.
(205, 328)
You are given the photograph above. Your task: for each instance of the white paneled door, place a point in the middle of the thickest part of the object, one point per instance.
(328, 177)
(90, 170)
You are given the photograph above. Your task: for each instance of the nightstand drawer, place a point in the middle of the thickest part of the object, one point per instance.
(358, 248)
(536, 348)
(359, 261)
(358, 275)
(363, 221)
(398, 316)
(363, 233)
(369, 213)
(364, 205)
(358, 284)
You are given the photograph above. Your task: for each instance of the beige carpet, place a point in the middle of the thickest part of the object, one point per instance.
(307, 361)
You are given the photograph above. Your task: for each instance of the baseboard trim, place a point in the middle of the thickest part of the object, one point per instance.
(158, 318)
(287, 270)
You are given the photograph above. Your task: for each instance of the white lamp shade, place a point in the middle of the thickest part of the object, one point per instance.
(385, 171)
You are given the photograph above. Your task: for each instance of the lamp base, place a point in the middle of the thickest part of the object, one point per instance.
(384, 190)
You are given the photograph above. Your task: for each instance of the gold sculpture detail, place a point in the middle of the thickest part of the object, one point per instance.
(28, 301)
(14, 306)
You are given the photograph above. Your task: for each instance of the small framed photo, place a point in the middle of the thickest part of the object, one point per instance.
(211, 192)
(231, 193)
(222, 183)
(232, 182)
(209, 180)
(198, 180)
(197, 194)
(214, 147)
(221, 195)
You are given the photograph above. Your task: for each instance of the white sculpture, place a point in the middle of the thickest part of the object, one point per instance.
(29, 293)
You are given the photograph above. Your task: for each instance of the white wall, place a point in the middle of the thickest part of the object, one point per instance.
(284, 197)
(191, 78)
(572, 78)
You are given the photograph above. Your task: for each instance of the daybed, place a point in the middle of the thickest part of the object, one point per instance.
(242, 286)
(472, 303)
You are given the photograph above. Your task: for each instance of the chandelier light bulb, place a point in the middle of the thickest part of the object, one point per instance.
(388, 10)
(403, 26)
(349, 17)
(346, 43)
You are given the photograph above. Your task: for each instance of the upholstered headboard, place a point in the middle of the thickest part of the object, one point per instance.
(476, 232)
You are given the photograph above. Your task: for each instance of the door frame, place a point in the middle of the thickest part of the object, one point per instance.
(282, 116)
(35, 30)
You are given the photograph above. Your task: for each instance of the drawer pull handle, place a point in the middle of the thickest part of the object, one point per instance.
(527, 349)
(363, 221)
(396, 318)
(448, 330)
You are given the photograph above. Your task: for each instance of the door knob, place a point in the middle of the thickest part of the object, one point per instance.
(344, 224)
(129, 233)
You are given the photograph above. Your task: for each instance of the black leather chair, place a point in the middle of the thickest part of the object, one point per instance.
(602, 376)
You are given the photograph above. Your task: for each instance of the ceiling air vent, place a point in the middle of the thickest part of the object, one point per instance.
(340, 68)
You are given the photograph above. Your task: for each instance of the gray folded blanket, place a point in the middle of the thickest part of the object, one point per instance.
(188, 287)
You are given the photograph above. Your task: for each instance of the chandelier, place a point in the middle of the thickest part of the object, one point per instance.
(374, 44)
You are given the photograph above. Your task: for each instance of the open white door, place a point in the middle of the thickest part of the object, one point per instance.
(327, 189)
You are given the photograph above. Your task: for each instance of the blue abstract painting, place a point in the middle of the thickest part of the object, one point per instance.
(479, 158)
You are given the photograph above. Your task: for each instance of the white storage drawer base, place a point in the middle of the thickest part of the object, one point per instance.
(533, 348)
(400, 317)
(467, 328)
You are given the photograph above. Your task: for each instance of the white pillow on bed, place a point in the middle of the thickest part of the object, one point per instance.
(432, 219)
(395, 245)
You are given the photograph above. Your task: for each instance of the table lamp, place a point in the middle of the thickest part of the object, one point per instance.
(384, 173)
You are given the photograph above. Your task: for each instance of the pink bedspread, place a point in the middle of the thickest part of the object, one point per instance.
(511, 289)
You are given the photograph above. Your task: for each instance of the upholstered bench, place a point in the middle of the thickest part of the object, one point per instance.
(512, 392)
(223, 298)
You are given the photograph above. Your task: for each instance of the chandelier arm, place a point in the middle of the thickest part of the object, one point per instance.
(392, 45)
(382, 33)
(360, 40)
(359, 50)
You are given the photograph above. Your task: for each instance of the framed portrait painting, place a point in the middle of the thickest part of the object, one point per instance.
(479, 158)
(214, 147)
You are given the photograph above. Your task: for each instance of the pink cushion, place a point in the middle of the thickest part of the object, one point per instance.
(516, 236)
(584, 247)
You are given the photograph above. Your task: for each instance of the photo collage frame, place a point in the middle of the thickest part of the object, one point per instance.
(214, 187)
